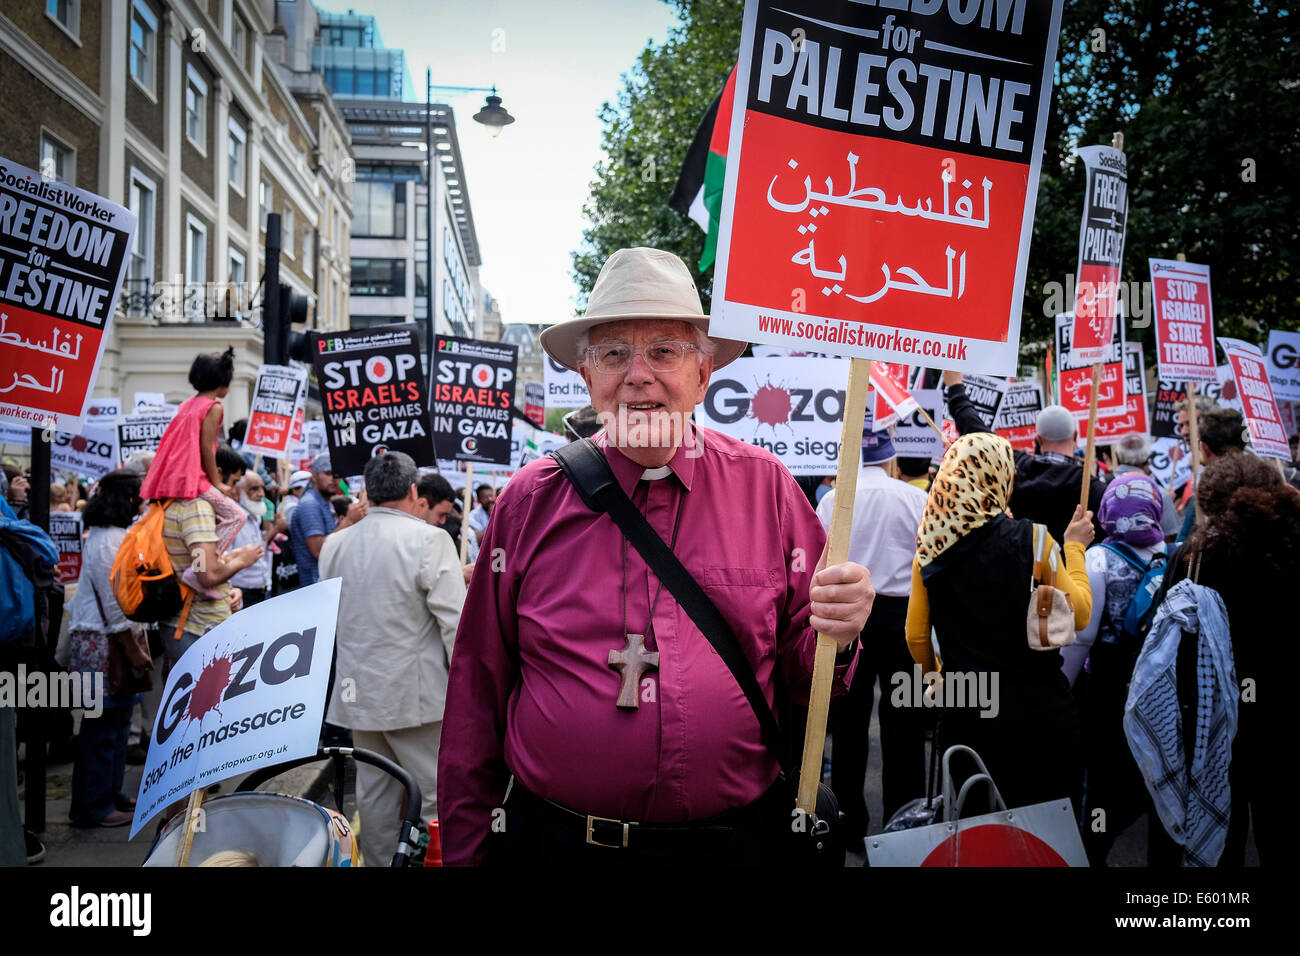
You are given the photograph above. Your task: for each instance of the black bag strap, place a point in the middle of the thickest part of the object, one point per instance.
(585, 466)
(98, 603)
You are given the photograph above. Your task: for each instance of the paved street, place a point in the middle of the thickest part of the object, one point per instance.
(68, 846)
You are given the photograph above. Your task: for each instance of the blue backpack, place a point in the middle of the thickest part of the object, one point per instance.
(23, 546)
(1142, 609)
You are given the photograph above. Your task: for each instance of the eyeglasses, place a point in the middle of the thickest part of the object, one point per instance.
(615, 357)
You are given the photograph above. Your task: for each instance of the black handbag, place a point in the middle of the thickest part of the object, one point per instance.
(816, 839)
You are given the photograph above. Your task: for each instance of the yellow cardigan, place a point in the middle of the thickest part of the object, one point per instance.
(1071, 577)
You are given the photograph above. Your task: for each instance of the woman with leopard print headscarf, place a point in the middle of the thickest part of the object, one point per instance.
(971, 581)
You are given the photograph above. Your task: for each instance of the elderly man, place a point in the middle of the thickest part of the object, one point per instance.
(401, 602)
(254, 581)
(627, 737)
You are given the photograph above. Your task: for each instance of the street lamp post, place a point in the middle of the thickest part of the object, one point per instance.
(494, 116)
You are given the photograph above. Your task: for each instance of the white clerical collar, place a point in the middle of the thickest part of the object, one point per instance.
(654, 474)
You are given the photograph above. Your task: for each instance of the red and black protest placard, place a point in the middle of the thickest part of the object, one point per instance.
(1134, 419)
(535, 403)
(1180, 296)
(1259, 407)
(1074, 373)
(65, 532)
(141, 431)
(473, 390)
(986, 394)
(63, 255)
(881, 178)
(890, 399)
(1101, 251)
(1017, 419)
(1170, 398)
(372, 395)
(276, 411)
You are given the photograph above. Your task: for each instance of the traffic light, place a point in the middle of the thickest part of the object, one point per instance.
(280, 341)
(282, 308)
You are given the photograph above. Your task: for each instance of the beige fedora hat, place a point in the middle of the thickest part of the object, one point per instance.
(637, 283)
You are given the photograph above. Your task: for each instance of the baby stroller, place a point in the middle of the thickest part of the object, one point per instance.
(282, 830)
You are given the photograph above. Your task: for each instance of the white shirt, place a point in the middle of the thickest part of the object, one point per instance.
(886, 515)
(402, 596)
(478, 519)
(257, 574)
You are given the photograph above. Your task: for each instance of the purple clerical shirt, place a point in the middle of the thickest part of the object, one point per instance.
(531, 691)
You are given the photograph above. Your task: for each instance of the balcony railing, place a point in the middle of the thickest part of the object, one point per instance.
(192, 303)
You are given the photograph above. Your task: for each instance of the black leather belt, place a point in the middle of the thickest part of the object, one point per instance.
(631, 835)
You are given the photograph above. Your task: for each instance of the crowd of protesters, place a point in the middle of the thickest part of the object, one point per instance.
(493, 697)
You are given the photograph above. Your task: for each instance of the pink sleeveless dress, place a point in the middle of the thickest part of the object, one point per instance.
(177, 469)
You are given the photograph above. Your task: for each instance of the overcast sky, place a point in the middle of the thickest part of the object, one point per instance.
(553, 63)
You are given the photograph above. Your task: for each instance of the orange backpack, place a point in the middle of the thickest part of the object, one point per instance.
(145, 585)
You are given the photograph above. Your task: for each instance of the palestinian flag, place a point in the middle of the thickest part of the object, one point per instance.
(698, 192)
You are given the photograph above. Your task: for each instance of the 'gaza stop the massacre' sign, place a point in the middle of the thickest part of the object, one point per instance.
(886, 168)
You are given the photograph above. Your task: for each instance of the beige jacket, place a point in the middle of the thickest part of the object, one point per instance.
(401, 603)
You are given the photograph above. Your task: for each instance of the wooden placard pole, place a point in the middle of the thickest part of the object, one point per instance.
(1194, 439)
(837, 551)
(192, 811)
(937, 430)
(465, 530)
(1090, 452)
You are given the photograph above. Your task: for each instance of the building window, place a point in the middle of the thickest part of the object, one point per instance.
(196, 108)
(307, 264)
(139, 277)
(144, 36)
(67, 14)
(393, 172)
(264, 201)
(371, 321)
(58, 160)
(379, 210)
(233, 299)
(236, 148)
(196, 267)
(286, 230)
(238, 38)
(378, 277)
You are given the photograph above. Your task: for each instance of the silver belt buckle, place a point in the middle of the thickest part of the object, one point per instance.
(593, 820)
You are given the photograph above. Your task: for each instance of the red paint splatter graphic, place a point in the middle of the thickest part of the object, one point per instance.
(771, 405)
(1229, 390)
(212, 683)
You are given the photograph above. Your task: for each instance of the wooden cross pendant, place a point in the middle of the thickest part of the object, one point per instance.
(632, 661)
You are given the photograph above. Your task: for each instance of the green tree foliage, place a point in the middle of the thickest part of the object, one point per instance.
(1207, 95)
